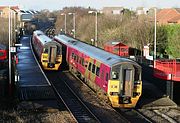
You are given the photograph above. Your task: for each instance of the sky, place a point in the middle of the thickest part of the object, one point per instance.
(97, 4)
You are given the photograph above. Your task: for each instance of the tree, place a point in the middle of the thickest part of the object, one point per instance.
(173, 32)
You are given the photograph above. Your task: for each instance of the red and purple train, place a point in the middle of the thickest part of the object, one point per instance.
(108, 74)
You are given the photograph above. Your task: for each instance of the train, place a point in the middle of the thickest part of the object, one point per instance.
(3, 56)
(116, 78)
(3, 52)
(48, 51)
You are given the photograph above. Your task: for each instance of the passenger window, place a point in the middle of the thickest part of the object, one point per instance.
(97, 71)
(72, 55)
(107, 76)
(93, 68)
(82, 62)
(77, 59)
(89, 67)
(115, 75)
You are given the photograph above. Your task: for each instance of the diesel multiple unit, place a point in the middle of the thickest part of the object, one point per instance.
(108, 74)
(48, 51)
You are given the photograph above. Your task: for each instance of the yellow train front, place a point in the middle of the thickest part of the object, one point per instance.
(48, 51)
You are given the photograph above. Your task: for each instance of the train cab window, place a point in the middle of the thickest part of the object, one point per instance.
(137, 75)
(107, 76)
(89, 67)
(97, 71)
(45, 50)
(115, 75)
(58, 51)
(93, 68)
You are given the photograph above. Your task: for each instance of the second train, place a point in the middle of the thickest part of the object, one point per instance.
(48, 51)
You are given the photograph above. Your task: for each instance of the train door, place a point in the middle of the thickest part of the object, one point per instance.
(90, 71)
(52, 51)
(64, 53)
(127, 84)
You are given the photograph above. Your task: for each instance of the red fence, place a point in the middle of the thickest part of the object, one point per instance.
(167, 69)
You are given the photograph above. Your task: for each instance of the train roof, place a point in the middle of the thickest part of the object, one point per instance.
(97, 53)
(38, 32)
(45, 40)
(42, 37)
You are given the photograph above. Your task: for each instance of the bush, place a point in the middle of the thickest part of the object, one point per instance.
(173, 32)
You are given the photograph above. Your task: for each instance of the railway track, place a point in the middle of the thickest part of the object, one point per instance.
(165, 115)
(98, 107)
(162, 114)
(79, 110)
(130, 115)
(134, 116)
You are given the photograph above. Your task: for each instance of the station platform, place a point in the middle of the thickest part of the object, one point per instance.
(28, 69)
(32, 84)
(153, 98)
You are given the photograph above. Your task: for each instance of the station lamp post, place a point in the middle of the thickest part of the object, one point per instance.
(154, 37)
(74, 24)
(64, 22)
(96, 26)
(9, 19)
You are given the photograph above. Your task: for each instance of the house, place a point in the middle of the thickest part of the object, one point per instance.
(4, 11)
(141, 11)
(168, 16)
(113, 10)
(175, 20)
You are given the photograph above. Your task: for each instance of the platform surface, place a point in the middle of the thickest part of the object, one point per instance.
(153, 98)
(27, 67)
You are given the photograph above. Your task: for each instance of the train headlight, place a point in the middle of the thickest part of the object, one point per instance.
(137, 82)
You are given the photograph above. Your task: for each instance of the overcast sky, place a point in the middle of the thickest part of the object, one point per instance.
(98, 4)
